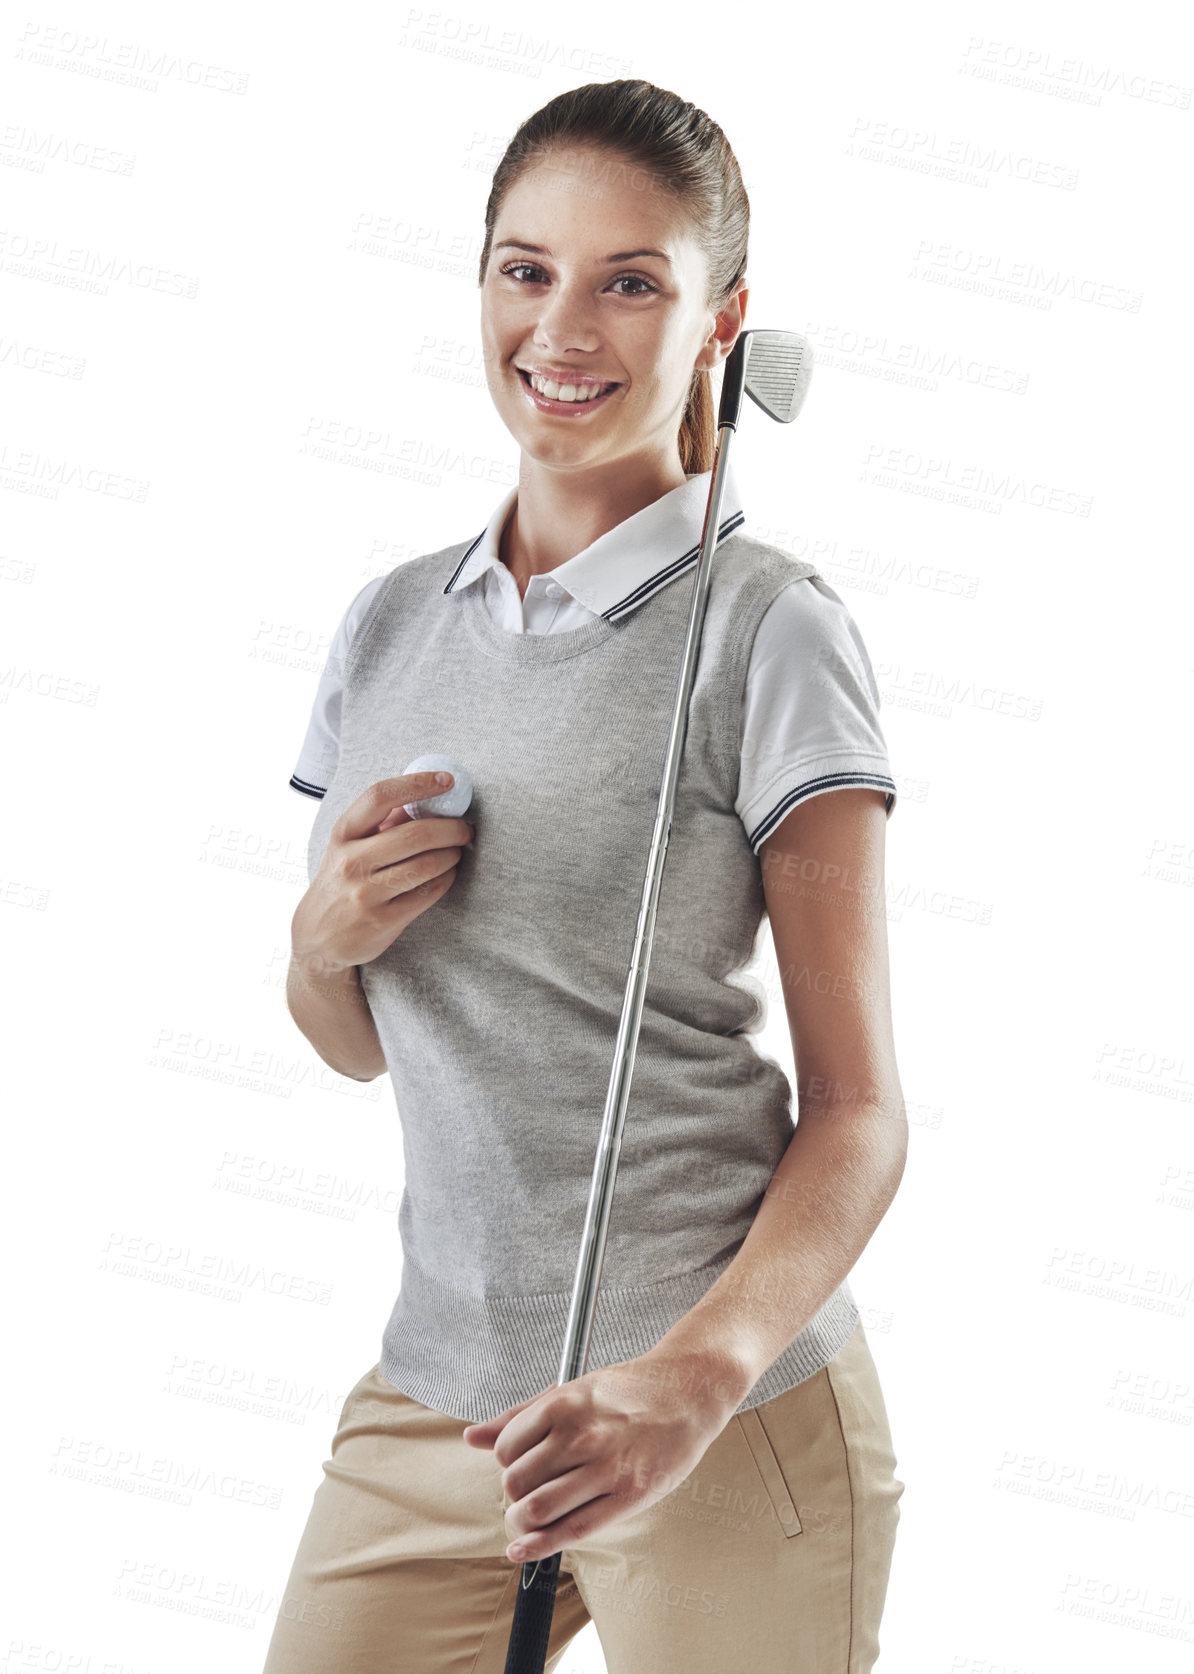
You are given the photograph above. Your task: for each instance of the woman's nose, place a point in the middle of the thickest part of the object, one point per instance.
(570, 311)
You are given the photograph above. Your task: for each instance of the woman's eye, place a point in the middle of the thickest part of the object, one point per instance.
(514, 267)
(533, 267)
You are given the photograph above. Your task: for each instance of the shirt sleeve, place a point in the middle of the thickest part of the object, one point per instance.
(810, 710)
(321, 748)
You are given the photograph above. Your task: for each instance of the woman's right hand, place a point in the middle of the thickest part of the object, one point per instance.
(380, 870)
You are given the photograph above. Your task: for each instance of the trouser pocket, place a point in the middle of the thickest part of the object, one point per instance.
(769, 1469)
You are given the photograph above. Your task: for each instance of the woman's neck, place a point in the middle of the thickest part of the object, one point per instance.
(556, 515)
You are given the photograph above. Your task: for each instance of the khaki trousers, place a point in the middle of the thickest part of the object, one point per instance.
(772, 1557)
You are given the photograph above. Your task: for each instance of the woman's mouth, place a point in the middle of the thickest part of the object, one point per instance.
(565, 409)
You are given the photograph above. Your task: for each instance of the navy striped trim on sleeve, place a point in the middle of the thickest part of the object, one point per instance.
(811, 787)
(307, 788)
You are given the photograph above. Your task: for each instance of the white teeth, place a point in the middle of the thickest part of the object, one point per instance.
(563, 392)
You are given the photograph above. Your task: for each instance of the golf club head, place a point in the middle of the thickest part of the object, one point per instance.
(773, 368)
(779, 365)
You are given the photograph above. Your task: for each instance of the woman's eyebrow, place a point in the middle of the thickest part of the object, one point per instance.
(541, 250)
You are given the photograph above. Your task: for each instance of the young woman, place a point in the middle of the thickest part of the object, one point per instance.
(720, 1482)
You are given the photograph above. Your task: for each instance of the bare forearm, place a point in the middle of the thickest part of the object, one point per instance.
(333, 1013)
(833, 1186)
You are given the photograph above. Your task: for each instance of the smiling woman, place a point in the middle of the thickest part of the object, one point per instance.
(728, 1361)
(623, 332)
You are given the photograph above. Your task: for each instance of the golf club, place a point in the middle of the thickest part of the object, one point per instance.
(773, 368)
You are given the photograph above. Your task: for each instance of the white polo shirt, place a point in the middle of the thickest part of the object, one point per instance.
(810, 705)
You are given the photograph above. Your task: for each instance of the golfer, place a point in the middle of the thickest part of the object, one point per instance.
(720, 1482)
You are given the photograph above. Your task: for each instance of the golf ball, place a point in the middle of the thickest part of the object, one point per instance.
(449, 804)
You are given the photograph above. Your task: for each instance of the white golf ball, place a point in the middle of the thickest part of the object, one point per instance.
(449, 804)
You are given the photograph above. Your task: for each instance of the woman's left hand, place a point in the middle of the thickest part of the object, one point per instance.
(587, 1453)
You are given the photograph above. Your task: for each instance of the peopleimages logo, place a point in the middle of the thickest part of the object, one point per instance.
(1039, 70)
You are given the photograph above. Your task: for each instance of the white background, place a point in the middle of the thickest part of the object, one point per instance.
(225, 409)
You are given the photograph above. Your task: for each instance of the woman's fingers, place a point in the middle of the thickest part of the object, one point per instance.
(555, 1457)
(488, 1431)
(549, 1519)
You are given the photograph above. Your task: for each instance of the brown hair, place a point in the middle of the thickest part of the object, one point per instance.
(681, 152)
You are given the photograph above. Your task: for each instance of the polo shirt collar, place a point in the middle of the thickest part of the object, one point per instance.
(632, 561)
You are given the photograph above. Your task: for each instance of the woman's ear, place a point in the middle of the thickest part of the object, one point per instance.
(727, 327)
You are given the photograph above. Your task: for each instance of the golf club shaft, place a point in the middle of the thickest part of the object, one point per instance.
(609, 1143)
(536, 1595)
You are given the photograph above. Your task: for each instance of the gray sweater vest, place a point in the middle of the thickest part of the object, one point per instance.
(498, 1007)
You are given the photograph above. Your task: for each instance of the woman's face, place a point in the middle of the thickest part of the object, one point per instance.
(639, 322)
